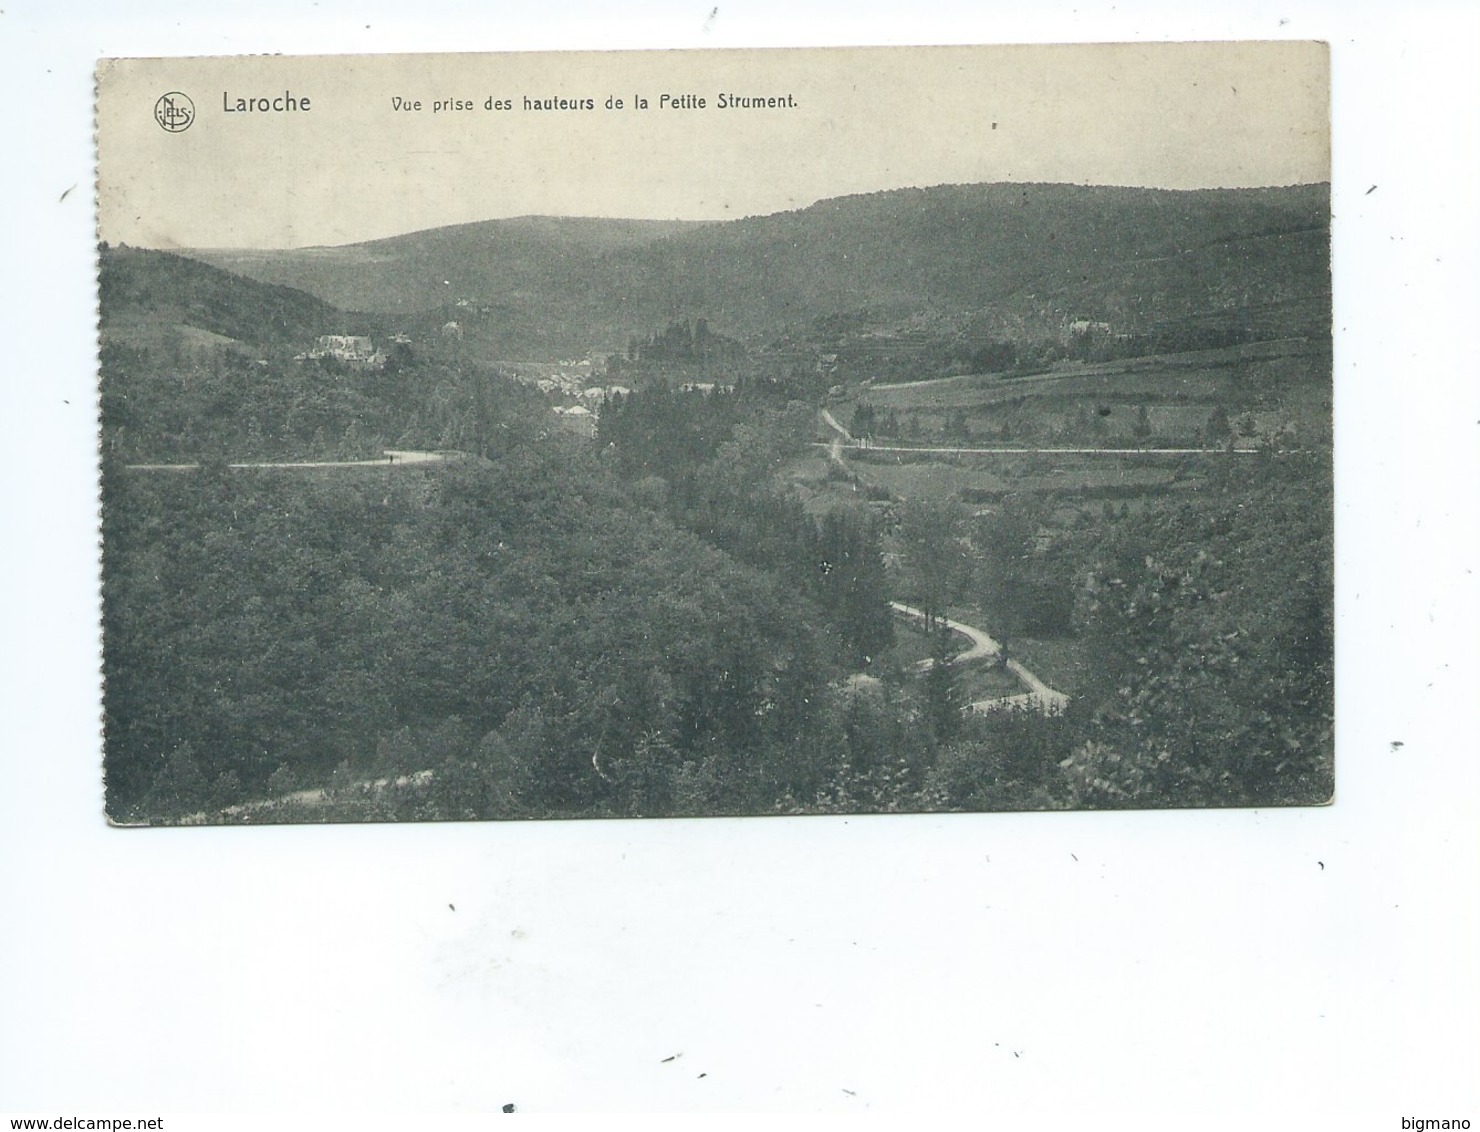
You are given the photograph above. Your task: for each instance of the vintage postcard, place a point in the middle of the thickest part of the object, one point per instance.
(688, 433)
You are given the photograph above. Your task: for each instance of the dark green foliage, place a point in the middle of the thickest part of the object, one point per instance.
(720, 453)
(847, 580)
(1211, 624)
(683, 343)
(159, 408)
(1218, 428)
(994, 357)
(666, 432)
(1023, 576)
(1004, 761)
(942, 698)
(935, 570)
(259, 621)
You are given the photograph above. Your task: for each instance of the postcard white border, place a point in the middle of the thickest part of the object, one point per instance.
(1310, 964)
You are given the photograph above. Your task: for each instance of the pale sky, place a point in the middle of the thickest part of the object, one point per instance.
(354, 167)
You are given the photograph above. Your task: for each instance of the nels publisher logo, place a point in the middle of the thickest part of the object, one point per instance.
(174, 112)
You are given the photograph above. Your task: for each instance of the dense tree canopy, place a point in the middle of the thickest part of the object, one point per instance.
(259, 621)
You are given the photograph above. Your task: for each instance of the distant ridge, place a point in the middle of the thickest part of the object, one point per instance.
(1036, 251)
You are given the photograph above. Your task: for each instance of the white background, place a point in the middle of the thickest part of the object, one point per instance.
(1306, 968)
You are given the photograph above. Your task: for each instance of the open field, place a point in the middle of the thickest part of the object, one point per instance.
(1200, 373)
(975, 478)
(184, 339)
(1286, 387)
(1278, 393)
(1103, 420)
(982, 390)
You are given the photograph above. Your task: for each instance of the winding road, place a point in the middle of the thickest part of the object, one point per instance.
(1038, 697)
(316, 797)
(982, 646)
(393, 458)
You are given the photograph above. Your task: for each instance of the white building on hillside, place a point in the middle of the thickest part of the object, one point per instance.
(352, 349)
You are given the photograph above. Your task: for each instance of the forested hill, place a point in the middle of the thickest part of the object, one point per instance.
(149, 293)
(524, 258)
(948, 249)
(953, 248)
